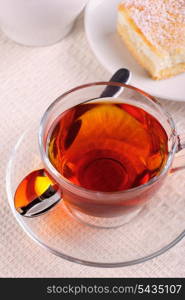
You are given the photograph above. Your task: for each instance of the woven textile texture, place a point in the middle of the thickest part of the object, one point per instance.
(30, 79)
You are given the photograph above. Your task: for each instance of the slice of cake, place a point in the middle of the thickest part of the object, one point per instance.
(154, 32)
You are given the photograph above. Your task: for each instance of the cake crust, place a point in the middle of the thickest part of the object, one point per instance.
(159, 28)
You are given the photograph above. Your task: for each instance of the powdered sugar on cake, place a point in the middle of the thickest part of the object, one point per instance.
(162, 22)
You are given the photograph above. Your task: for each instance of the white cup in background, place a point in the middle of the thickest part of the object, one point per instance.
(38, 22)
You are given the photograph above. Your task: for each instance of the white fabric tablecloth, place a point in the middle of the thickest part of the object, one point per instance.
(30, 79)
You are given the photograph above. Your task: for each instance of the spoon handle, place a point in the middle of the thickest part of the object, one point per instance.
(121, 76)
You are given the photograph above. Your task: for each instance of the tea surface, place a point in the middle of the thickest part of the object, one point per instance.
(107, 146)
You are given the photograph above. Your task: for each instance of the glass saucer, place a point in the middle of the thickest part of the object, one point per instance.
(157, 228)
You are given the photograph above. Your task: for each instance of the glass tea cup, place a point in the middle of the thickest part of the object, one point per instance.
(98, 208)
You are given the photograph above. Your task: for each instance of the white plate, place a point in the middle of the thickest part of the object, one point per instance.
(100, 24)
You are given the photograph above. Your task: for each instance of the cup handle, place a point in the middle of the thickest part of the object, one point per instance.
(179, 160)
